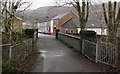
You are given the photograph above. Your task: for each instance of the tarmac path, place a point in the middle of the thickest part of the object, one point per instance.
(57, 57)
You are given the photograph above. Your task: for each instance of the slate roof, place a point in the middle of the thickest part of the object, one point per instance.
(95, 24)
(74, 23)
(60, 15)
(70, 23)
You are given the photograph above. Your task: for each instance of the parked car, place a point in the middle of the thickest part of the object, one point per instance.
(40, 31)
(46, 32)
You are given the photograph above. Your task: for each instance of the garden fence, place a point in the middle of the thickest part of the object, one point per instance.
(107, 53)
(101, 52)
(89, 49)
(19, 51)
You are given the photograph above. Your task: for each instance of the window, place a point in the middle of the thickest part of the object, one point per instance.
(66, 30)
(56, 21)
(71, 31)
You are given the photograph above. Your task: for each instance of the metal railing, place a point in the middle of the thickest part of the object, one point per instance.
(107, 53)
(6, 50)
(19, 51)
(101, 52)
(89, 49)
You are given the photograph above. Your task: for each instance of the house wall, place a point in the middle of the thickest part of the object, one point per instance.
(35, 25)
(45, 26)
(27, 25)
(57, 22)
(42, 26)
(17, 25)
(68, 30)
(97, 30)
(51, 26)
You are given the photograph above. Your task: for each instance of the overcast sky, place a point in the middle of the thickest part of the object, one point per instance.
(40, 3)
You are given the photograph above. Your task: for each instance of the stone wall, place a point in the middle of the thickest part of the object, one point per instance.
(70, 40)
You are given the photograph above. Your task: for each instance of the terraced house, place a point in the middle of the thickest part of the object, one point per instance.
(17, 24)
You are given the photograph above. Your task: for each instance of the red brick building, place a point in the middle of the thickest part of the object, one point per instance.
(66, 23)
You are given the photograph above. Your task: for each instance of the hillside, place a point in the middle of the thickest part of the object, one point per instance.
(45, 13)
(48, 12)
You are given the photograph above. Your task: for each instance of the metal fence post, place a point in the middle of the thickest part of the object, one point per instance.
(82, 46)
(116, 62)
(26, 47)
(96, 52)
(10, 52)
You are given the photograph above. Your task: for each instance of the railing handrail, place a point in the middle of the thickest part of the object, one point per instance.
(72, 36)
(15, 44)
(89, 41)
(28, 40)
(5, 45)
(107, 43)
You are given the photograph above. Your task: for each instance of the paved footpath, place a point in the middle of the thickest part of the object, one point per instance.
(57, 57)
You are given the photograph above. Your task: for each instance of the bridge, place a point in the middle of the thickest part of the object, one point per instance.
(55, 56)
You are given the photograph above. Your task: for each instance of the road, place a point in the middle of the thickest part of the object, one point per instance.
(57, 57)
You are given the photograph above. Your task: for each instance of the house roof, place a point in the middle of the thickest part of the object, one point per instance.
(74, 23)
(70, 23)
(60, 15)
(95, 24)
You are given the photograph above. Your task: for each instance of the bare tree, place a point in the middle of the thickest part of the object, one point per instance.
(112, 19)
(82, 9)
(83, 12)
(10, 7)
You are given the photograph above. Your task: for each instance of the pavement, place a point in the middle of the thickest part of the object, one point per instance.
(55, 56)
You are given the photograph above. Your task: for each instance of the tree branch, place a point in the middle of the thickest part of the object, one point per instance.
(87, 11)
(105, 16)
